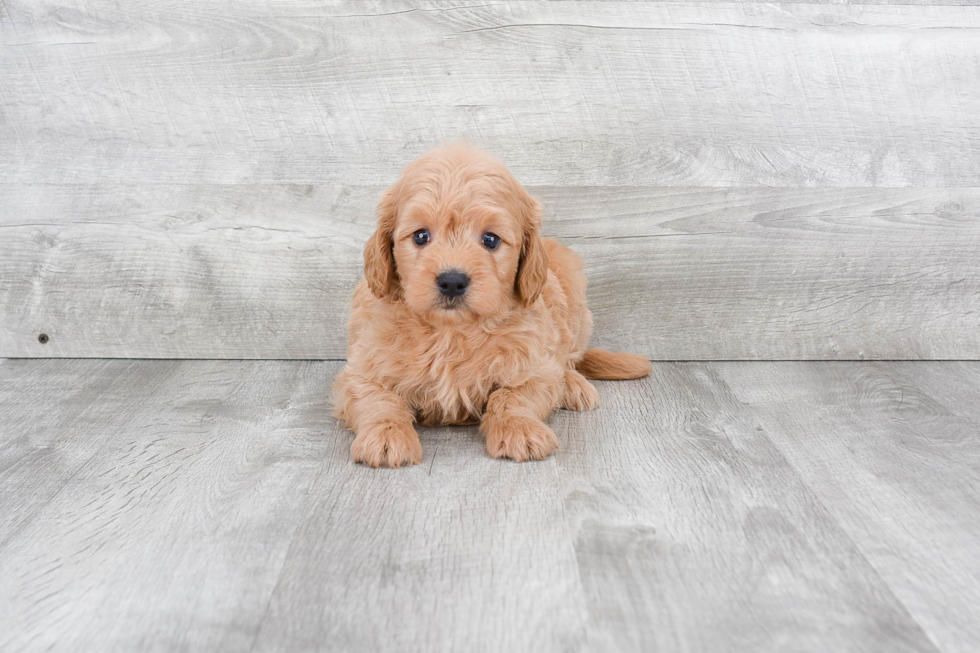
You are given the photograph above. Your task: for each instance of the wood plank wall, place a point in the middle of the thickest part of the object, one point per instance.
(745, 180)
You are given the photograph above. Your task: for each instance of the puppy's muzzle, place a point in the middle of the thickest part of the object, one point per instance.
(452, 284)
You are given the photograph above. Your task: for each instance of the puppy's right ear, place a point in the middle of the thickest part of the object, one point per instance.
(379, 255)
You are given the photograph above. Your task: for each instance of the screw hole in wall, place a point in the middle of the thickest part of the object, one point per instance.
(43, 338)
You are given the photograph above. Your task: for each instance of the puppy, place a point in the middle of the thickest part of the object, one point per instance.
(466, 315)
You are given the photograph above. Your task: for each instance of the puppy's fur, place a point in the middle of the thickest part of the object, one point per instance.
(505, 354)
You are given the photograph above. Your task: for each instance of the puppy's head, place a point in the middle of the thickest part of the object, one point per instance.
(457, 238)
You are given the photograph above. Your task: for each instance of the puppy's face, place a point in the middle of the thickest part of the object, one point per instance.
(457, 260)
(457, 239)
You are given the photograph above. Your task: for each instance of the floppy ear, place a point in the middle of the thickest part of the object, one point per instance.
(379, 255)
(532, 268)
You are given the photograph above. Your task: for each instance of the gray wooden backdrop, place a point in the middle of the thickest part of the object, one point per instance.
(745, 180)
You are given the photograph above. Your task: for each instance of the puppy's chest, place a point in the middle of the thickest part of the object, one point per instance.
(448, 377)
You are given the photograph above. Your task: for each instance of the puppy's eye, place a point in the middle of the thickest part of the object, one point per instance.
(420, 237)
(491, 241)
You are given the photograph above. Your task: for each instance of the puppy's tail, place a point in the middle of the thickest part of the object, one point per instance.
(609, 365)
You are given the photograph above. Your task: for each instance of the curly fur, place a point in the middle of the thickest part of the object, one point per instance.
(505, 356)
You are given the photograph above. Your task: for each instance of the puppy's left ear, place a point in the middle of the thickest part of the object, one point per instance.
(379, 255)
(532, 268)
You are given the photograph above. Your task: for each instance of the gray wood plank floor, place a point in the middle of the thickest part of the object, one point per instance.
(211, 505)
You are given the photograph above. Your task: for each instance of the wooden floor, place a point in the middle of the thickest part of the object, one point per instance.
(211, 505)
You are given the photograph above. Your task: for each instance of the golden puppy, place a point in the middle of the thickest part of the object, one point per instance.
(466, 315)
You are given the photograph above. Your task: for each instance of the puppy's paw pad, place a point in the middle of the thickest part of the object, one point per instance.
(520, 439)
(387, 445)
(579, 393)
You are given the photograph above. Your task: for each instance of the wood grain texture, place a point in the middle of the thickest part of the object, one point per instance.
(569, 93)
(181, 272)
(186, 179)
(154, 502)
(267, 271)
(894, 460)
(211, 505)
(694, 533)
(459, 553)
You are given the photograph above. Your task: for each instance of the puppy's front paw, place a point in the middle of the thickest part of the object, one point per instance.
(579, 394)
(519, 438)
(387, 445)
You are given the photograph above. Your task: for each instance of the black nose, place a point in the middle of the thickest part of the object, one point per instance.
(452, 283)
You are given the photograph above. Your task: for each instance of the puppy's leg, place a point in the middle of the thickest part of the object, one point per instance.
(382, 422)
(513, 422)
(578, 393)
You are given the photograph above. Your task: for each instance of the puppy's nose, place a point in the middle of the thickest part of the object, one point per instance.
(452, 283)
